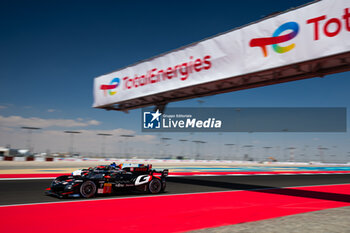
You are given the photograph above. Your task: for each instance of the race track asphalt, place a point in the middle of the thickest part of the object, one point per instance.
(32, 191)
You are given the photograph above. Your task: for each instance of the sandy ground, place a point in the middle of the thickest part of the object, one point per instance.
(324, 221)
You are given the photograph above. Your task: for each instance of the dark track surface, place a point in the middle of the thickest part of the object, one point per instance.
(32, 191)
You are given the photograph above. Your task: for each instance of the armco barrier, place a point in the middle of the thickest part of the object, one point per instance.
(29, 158)
(8, 158)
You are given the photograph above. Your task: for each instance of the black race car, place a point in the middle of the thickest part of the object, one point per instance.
(108, 179)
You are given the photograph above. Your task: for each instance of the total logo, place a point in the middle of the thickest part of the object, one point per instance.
(110, 89)
(277, 38)
(322, 27)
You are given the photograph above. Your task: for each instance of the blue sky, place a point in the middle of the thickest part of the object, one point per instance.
(52, 50)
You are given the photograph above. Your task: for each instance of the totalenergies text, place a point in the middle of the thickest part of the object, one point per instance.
(325, 29)
(181, 71)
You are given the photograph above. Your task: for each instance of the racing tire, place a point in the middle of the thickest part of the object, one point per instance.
(155, 186)
(88, 189)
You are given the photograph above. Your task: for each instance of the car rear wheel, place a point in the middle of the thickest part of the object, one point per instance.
(155, 186)
(88, 189)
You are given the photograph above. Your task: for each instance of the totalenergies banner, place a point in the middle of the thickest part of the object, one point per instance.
(314, 31)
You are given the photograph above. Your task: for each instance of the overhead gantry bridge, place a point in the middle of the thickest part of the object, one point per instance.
(310, 41)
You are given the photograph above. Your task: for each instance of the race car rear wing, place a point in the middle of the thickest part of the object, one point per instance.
(164, 172)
